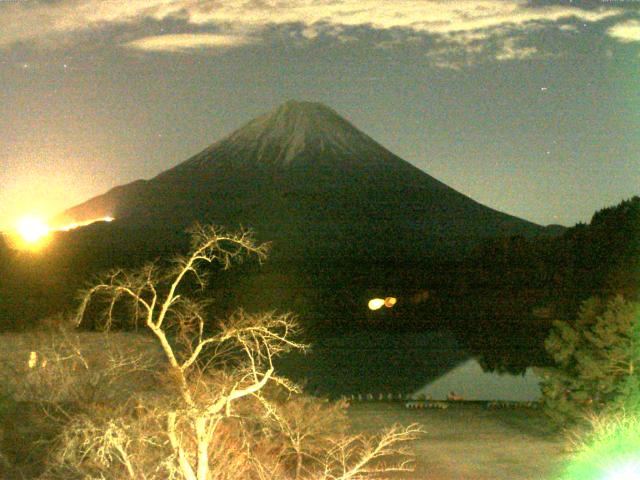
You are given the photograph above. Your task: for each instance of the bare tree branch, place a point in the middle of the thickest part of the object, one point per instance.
(222, 377)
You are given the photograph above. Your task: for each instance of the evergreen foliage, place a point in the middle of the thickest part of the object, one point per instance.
(596, 361)
(517, 285)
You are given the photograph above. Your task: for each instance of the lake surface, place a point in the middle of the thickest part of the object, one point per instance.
(401, 363)
(372, 362)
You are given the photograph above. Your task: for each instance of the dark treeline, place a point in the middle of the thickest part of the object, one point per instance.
(500, 300)
(517, 287)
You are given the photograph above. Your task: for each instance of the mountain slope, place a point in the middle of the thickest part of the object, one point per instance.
(307, 179)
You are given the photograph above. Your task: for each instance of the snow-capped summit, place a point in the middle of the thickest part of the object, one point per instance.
(294, 133)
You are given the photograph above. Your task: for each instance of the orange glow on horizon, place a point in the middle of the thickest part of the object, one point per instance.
(31, 232)
(74, 225)
(32, 229)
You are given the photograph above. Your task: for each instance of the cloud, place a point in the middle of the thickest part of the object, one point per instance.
(626, 32)
(187, 41)
(23, 20)
(456, 55)
(510, 50)
(462, 30)
(568, 28)
(419, 15)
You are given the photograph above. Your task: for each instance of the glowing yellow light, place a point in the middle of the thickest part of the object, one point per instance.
(33, 359)
(31, 230)
(375, 303)
(390, 301)
(32, 233)
(74, 225)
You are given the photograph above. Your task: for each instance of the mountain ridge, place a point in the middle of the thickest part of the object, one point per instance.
(303, 175)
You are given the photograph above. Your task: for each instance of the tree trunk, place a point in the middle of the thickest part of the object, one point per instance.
(298, 464)
(203, 448)
(185, 467)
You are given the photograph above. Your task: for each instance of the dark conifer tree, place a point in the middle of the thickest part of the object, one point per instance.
(596, 360)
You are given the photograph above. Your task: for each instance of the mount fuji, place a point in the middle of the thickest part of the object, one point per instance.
(305, 178)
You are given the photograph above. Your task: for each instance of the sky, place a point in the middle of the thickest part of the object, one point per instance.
(529, 107)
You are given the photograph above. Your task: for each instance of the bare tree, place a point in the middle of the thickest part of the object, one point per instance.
(221, 384)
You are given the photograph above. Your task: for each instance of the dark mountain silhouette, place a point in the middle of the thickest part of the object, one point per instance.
(305, 178)
(348, 219)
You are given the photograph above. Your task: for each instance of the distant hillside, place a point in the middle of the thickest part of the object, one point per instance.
(521, 285)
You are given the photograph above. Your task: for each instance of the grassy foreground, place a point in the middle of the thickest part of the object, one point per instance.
(471, 442)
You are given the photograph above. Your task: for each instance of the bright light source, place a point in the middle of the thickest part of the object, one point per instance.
(629, 470)
(390, 301)
(612, 451)
(376, 303)
(74, 225)
(33, 359)
(32, 233)
(31, 230)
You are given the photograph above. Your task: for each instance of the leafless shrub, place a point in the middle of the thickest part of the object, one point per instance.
(359, 457)
(221, 412)
(62, 365)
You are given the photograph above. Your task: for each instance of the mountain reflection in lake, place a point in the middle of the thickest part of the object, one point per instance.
(431, 363)
(374, 362)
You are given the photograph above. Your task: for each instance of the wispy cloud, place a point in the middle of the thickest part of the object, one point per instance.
(626, 32)
(511, 50)
(463, 24)
(187, 41)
